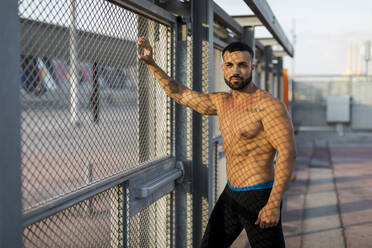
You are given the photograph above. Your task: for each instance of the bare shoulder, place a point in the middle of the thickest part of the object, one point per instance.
(218, 97)
(271, 105)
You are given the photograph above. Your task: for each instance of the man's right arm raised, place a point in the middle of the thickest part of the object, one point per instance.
(202, 103)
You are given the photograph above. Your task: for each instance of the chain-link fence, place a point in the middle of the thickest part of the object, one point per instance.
(310, 93)
(153, 226)
(90, 111)
(91, 223)
(86, 112)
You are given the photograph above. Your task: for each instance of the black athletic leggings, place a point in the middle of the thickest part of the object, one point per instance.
(236, 210)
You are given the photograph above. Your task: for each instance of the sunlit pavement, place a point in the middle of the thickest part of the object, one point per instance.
(330, 205)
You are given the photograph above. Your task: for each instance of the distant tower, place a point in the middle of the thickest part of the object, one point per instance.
(367, 55)
(354, 59)
(359, 60)
(358, 55)
(348, 64)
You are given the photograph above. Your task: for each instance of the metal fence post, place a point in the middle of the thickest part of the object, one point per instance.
(268, 58)
(94, 100)
(273, 74)
(202, 19)
(196, 120)
(279, 73)
(211, 164)
(181, 137)
(248, 38)
(10, 149)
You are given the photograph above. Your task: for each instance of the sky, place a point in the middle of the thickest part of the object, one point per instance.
(323, 28)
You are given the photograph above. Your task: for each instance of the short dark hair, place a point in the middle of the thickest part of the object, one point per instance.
(238, 46)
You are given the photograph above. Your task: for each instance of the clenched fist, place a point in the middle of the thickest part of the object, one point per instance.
(268, 216)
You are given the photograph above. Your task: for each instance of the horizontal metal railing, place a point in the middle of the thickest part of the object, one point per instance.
(75, 197)
(152, 186)
(147, 9)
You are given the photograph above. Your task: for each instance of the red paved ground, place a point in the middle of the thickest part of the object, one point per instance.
(353, 177)
(352, 167)
(293, 204)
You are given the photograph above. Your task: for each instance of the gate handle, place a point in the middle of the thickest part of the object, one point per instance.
(147, 189)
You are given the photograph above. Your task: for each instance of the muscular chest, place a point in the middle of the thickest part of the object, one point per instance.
(240, 123)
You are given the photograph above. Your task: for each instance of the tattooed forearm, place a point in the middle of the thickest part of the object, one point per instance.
(203, 103)
(175, 87)
(197, 101)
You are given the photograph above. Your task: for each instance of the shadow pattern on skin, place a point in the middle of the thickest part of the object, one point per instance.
(254, 127)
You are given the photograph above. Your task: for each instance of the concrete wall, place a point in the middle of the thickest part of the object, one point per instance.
(310, 98)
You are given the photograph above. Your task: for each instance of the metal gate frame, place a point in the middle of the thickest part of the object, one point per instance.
(146, 183)
(10, 147)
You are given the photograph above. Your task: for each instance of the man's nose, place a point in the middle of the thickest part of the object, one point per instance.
(236, 69)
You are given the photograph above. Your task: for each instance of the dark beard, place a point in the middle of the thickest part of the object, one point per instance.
(239, 86)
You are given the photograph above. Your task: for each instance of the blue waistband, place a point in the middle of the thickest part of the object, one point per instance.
(264, 185)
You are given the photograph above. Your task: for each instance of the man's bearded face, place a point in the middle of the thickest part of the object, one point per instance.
(237, 83)
(237, 69)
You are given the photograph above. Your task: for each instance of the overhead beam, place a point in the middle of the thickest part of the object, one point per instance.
(259, 45)
(222, 17)
(147, 9)
(263, 11)
(268, 41)
(218, 43)
(220, 31)
(177, 8)
(280, 53)
(248, 20)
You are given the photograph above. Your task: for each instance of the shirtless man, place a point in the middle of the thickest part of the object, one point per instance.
(254, 126)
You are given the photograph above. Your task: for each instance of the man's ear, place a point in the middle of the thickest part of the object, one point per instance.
(253, 66)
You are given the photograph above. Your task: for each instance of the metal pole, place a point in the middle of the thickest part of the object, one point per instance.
(202, 18)
(274, 91)
(196, 121)
(209, 39)
(181, 137)
(267, 55)
(279, 72)
(73, 67)
(94, 101)
(248, 38)
(10, 148)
